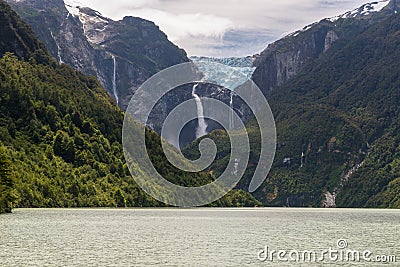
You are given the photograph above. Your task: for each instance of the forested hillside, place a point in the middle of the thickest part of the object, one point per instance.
(338, 126)
(357, 82)
(60, 135)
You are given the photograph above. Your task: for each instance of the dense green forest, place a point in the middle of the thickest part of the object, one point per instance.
(355, 87)
(61, 135)
(337, 124)
(7, 192)
(62, 132)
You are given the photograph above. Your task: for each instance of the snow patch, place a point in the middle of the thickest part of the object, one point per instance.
(381, 5)
(296, 33)
(364, 10)
(93, 23)
(73, 7)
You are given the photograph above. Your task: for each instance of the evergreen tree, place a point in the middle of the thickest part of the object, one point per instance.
(7, 196)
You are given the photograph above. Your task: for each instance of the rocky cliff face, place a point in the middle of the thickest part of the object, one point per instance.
(341, 53)
(15, 36)
(121, 54)
(286, 57)
(224, 74)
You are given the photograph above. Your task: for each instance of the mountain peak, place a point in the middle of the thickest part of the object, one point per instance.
(73, 7)
(365, 10)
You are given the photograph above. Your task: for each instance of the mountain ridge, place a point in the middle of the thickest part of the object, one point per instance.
(364, 52)
(286, 57)
(333, 88)
(88, 41)
(335, 114)
(60, 141)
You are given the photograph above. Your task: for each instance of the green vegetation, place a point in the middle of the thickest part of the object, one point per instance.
(142, 43)
(337, 123)
(339, 114)
(7, 192)
(17, 37)
(355, 86)
(62, 135)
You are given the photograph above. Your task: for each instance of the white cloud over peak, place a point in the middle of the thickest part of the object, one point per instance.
(225, 28)
(186, 25)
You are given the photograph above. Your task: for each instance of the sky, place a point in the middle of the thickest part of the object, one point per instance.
(225, 28)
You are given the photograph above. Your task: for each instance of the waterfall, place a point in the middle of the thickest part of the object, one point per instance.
(58, 48)
(202, 125)
(114, 83)
(231, 115)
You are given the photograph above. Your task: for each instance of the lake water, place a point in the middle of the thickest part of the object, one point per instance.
(196, 237)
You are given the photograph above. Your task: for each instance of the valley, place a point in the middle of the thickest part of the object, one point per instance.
(333, 88)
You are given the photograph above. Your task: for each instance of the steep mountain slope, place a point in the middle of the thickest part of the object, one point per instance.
(337, 121)
(59, 130)
(287, 56)
(338, 114)
(16, 36)
(60, 136)
(121, 54)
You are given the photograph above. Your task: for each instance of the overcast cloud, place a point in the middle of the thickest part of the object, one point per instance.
(225, 28)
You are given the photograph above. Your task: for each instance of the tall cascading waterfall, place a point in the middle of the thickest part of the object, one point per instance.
(58, 48)
(202, 125)
(231, 115)
(114, 82)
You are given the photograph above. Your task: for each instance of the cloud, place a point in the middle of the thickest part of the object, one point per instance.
(235, 43)
(181, 26)
(229, 27)
(116, 6)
